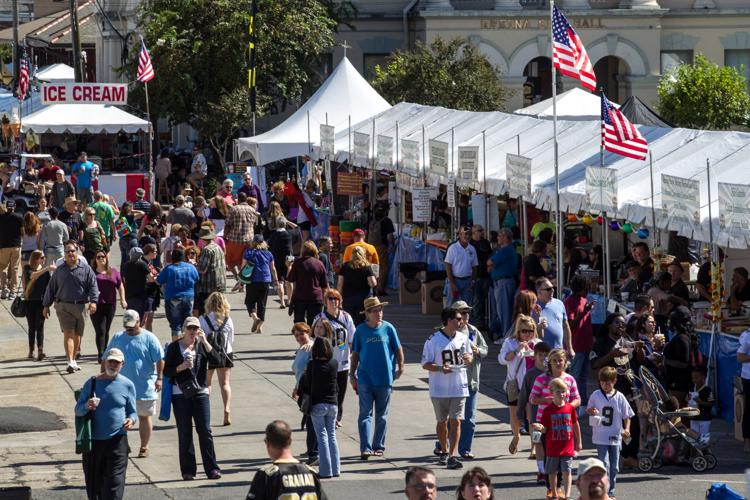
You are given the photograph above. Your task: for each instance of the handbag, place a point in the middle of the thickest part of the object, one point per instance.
(305, 403)
(246, 273)
(18, 307)
(83, 424)
(189, 387)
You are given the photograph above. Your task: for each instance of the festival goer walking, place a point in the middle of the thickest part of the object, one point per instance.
(301, 332)
(252, 191)
(310, 279)
(211, 269)
(220, 331)
(280, 245)
(420, 484)
(53, 236)
(556, 330)
(61, 190)
(105, 215)
(592, 481)
(355, 283)
(32, 228)
(179, 280)
(476, 484)
(481, 287)
(125, 226)
(504, 264)
(461, 267)
(83, 170)
(110, 285)
(35, 279)
(264, 274)
(743, 358)
(238, 234)
(578, 311)
(92, 236)
(380, 235)
(10, 249)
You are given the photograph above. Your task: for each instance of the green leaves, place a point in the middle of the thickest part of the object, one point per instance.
(453, 74)
(704, 95)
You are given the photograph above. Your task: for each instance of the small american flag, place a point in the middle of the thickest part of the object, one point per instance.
(145, 69)
(619, 135)
(23, 77)
(568, 53)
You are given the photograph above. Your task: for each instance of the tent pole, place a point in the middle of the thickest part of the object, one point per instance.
(522, 207)
(486, 199)
(373, 184)
(656, 241)
(714, 324)
(454, 211)
(605, 236)
(398, 190)
(349, 133)
(309, 141)
(558, 215)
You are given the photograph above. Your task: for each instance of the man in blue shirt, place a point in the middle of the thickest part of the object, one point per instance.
(110, 400)
(143, 366)
(179, 278)
(375, 347)
(504, 269)
(553, 318)
(83, 169)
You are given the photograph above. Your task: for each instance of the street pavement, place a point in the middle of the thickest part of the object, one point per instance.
(262, 382)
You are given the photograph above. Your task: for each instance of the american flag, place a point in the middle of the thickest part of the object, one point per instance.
(568, 53)
(145, 69)
(619, 135)
(23, 77)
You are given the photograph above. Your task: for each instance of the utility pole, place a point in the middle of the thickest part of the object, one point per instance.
(76, 39)
(16, 52)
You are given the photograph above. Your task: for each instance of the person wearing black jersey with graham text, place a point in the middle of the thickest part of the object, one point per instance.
(285, 477)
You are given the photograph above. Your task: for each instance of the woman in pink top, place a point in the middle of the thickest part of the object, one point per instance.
(540, 393)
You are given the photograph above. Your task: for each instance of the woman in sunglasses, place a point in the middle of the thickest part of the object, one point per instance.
(110, 286)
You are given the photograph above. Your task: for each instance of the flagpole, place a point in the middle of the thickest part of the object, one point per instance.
(653, 209)
(149, 149)
(712, 350)
(558, 218)
(605, 236)
(484, 168)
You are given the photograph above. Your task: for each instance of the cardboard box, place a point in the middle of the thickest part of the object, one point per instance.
(409, 289)
(432, 297)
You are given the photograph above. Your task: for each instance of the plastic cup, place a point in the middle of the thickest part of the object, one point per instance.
(536, 436)
(595, 420)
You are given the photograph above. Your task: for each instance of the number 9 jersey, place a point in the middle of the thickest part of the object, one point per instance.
(444, 350)
(286, 480)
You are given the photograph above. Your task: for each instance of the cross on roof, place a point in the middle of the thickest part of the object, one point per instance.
(345, 46)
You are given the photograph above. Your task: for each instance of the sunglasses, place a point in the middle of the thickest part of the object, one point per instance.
(101, 256)
(549, 289)
(525, 330)
(332, 299)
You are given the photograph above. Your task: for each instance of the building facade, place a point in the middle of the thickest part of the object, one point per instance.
(631, 43)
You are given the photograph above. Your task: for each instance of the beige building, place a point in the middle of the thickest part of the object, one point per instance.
(630, 42)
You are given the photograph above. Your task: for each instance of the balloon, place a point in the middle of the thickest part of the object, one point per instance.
(614, 225)
(643, 233)
(600, 220)
(572, 218)
(587, 219)
(627, 228)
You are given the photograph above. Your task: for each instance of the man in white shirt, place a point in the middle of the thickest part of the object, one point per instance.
(446, 355)
(461, 267)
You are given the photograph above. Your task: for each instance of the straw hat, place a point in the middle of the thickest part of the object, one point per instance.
(206, 233)
(372, 302)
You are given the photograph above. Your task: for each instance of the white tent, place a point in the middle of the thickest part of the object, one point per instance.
(344, 95)
(575, 104)
(56, 73)
(82, 118)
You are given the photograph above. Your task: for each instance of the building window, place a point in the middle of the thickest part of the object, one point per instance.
(369, 63)
(673, 58)
(739, 59)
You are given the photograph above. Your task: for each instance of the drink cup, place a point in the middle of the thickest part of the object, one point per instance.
(625, 296)
(595, 420)
(536, 436)
(94, 401)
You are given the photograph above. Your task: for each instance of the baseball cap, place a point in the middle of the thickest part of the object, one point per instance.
(590, 463)
(114, 354)
(359, 230)
(130, 318)
(460, 305)
(191, 321)
(140, 192)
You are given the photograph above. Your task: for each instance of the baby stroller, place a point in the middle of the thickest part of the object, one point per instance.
(666, 435)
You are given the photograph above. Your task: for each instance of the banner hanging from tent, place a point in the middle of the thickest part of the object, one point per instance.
(438, 157)
(410, 154)
(468, 163)
(734, 207)
(361, 148)
(681, 200)
(518, 175)
(451, 191)
(601, 189)
(421, 202)
(385, 152)
(326, 140)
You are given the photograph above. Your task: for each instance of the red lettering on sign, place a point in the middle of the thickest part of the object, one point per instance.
(77, 93)
(86, 93)
(118, 94)
(95, 93)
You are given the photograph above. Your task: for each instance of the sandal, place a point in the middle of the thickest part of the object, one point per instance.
(467, 455)
(365, 455)
(513, 446)
(378, 453)
(143, 453)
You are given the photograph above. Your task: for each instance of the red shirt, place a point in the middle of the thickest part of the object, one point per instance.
(48, 174)
(559, 422)
(583, 335)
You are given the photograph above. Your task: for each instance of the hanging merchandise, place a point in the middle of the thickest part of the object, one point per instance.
(451, 191)
(572, 218)
(716, 286)
(600, 220)
(642, 233)
(587, 219)
(627, 228)
(327, 138)
(614, 225)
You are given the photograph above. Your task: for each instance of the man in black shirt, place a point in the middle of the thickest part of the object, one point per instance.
(286, 477)
(482, 286)
(71, 217)
(380, 235)
(10, 249)
(135, 277)
(677, 287)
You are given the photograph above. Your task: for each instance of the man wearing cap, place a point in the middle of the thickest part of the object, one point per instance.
(141, 204)
(592, 481)
(238, 233)
(10, 249)
(135, 276)
(359, 241)
(211, 269)
(143, 365)
(61, 190)
(71, 217)
(461, 267)
(83, 170)
(53, 237)
(180, 214)
(375, 348)
(109, 398)
(252, 191)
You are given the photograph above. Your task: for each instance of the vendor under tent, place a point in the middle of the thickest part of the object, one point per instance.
(575, 104)
(344, 96)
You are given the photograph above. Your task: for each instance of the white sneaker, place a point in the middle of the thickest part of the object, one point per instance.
(497, 341)
(75, 366)
(71, 368)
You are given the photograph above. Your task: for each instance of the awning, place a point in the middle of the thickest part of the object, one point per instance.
(82, 118)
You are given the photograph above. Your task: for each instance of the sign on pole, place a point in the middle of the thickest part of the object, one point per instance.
(451, 190)
(421, 202)
(468, 163)
(361, 148)
(734, 207)
(518, 175)
(681, 200)
(85, 93)
(326, 140)
(439, 157)
(385, 152)
(601, 189)
(410, 154)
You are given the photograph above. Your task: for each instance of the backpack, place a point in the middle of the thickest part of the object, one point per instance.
(218, 341)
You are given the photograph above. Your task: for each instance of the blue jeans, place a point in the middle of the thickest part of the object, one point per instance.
(505, 292)
(381, 398)
(610, 455)
(186, 411)
(324, 419)
(468, 424)
(177, 310)
(463, 286)
(579, 368)
(480, 301)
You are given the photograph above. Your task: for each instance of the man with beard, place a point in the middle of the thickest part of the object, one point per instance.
(592, 482)
(420, 484)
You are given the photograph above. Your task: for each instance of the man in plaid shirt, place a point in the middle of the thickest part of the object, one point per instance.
(238, 233)
(211, 268)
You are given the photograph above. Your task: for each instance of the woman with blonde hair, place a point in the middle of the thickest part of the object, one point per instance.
(264, 273)
(355, 283)
(32, 227)
(517, 354)
(219, 329)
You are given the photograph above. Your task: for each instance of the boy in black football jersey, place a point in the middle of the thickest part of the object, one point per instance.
(286, 476)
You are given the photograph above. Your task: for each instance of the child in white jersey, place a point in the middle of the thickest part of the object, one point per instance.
(609, 417)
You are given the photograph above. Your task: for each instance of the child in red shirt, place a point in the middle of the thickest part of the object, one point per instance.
(562, 440)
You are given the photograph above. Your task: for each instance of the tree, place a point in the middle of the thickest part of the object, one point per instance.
(199, 49)
(453, 74)
(704, 95)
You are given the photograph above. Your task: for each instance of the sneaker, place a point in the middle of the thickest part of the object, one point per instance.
(443, 459)
(454, 463)
(187, 477)
(70, 368)
(11, 295)
(4, 294)
(438, 450)
(75, 366)
(497, 341)
(313, 462)
(523, 431)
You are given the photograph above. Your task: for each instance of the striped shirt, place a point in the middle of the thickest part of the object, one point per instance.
(541, 390)
(211, 266)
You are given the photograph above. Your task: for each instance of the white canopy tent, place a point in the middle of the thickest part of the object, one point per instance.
(56, 73)
(575, 104)
(343, 96)
(82, 118)
(678, 152)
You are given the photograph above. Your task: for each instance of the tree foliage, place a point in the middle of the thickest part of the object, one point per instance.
(453, 74)
(199, 49)
(704, 95)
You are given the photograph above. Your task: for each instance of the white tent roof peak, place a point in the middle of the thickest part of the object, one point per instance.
(574, 104)
(56, 73)
(80, 118)
(345, 94)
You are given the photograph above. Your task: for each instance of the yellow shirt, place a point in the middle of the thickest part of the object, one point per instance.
(372, 254)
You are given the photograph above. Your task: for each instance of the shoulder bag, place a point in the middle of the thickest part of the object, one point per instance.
(511, 384)
(218, 341)
(305, 399)
(246, 273)
(83, 424)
